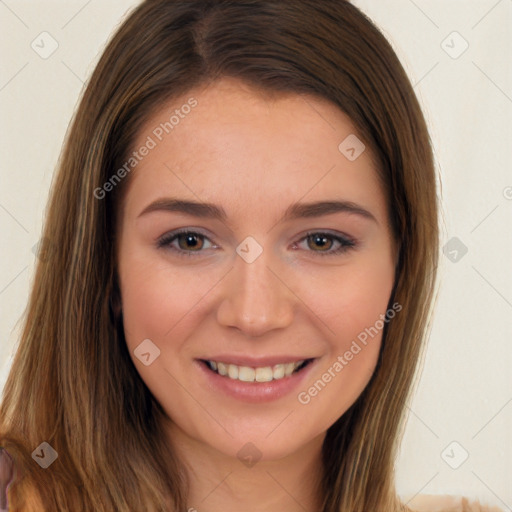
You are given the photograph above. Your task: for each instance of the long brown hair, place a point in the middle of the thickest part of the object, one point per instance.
(72, 382)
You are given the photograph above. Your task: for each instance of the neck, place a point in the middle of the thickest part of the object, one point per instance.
(218, 482)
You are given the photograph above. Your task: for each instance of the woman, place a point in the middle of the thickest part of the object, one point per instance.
(186, 346)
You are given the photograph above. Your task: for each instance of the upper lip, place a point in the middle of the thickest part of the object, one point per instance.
(255, 361)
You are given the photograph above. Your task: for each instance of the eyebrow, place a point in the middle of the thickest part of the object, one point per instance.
(294, 211)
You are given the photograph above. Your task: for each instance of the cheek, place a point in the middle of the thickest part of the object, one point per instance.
(158, 304)
(156, 297)
(350, 299)
(145, 298)
(354, 310)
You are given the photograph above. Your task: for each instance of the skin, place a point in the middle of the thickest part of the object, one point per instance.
(253, 155)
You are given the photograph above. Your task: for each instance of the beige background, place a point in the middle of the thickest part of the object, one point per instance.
(463, 403)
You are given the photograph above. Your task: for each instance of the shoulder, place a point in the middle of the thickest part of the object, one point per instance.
(431, 503)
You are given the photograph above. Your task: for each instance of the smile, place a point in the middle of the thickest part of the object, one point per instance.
(258, 374)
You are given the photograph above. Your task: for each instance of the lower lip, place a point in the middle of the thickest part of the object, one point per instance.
(255, 392)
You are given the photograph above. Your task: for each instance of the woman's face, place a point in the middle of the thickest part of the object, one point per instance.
(265, 280)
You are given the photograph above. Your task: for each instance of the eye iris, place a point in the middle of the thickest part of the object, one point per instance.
(188, 237)
(322, 239)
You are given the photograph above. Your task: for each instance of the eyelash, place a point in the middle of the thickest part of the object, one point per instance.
(164, 242)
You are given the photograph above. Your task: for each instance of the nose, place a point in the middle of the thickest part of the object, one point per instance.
(256, 297)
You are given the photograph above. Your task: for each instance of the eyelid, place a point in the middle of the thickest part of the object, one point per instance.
(165, 240)
(347, 242)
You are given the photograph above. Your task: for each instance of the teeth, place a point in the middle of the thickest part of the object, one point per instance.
(222, 368)
(233, 371)
(248, 374)
(288, 368)
(278, 371)
(264, 374)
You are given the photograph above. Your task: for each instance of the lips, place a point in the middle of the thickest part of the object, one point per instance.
(248, 379)
(255, 373)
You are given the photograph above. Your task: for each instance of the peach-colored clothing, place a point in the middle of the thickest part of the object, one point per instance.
(431, 503)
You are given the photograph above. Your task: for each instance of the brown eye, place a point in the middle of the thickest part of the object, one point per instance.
(321, 241)
(184, 243)
(190, 241)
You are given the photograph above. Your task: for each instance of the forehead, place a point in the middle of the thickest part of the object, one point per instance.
(251, 151)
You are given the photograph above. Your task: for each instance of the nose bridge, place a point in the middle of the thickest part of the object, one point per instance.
(255, 299)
